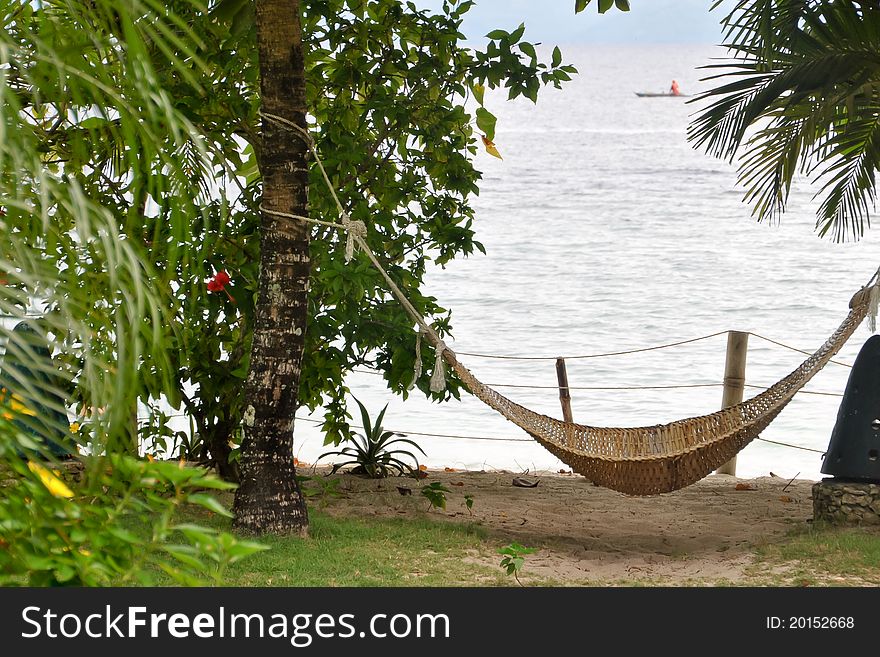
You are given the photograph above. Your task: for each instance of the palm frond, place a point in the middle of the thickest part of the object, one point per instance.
(800, 96)
(89, 147)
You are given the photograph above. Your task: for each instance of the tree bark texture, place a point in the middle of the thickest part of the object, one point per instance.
(269, 499)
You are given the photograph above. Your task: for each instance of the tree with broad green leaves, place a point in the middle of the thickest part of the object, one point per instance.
(389, 85)
(396, 108)
(801, 97)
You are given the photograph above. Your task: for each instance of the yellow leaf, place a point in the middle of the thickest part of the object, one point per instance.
(15, 407)
(479, 91)
(490, 147)
(55, 486)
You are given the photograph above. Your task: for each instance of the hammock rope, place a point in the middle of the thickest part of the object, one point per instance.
(645, 460)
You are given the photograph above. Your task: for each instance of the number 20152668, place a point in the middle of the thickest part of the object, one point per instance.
(810, 623)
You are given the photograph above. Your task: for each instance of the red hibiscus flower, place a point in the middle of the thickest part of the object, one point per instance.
(219, 282)
(221, 279)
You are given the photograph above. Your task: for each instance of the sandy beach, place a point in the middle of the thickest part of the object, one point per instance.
(705, 534)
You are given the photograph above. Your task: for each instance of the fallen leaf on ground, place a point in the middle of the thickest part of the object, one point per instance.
(403, 490)
(449, 469)
(524, 483)
(785, 498)
(745, 487)
(458, 483)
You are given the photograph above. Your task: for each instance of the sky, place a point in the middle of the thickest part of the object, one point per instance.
(554, 21)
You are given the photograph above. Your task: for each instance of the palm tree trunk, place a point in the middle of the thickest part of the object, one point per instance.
(269, 499)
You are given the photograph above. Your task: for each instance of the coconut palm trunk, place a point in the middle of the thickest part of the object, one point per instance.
(269, 499)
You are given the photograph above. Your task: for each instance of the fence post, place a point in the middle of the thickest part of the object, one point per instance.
(734, 381)
(564, 394)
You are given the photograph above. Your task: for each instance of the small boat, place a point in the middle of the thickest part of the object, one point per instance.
(664, 94)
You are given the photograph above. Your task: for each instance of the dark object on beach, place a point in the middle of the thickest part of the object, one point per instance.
(403, 490)
(854, 450)
(519, 482)
(28, 359)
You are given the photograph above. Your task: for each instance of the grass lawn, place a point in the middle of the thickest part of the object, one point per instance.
(822, 555)
(367, 552)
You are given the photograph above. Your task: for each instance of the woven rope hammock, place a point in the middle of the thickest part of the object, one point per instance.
(664, 457)
(636, 460)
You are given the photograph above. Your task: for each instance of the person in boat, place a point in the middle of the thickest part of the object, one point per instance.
(674, 90)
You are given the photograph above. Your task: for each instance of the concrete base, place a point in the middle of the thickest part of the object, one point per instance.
(846, 502)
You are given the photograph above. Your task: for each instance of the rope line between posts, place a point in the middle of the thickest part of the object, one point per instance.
(801, 392)
(528, 440)
(800, 351)
(598, 355)
(496, 438)
(436, 435)
(776, 442)
(642, 349)
(683, 386)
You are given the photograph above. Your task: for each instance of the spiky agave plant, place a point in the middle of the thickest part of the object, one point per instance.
(371, 452)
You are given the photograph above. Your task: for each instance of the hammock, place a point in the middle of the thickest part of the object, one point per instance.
(636, 460)
(664, 457)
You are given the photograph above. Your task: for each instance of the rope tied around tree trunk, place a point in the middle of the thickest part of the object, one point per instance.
(354, 228)
(356, 233)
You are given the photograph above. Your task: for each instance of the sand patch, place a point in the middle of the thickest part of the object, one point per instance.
(585, 534)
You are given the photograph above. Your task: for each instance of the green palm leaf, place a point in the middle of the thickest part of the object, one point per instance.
(90, 154)
(799, 97)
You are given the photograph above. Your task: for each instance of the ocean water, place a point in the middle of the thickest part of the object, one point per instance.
(606, 231)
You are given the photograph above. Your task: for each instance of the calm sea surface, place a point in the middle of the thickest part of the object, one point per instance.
(606, 231)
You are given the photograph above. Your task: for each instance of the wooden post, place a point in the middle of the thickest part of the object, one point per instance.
(564, 394)
(734, 381)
